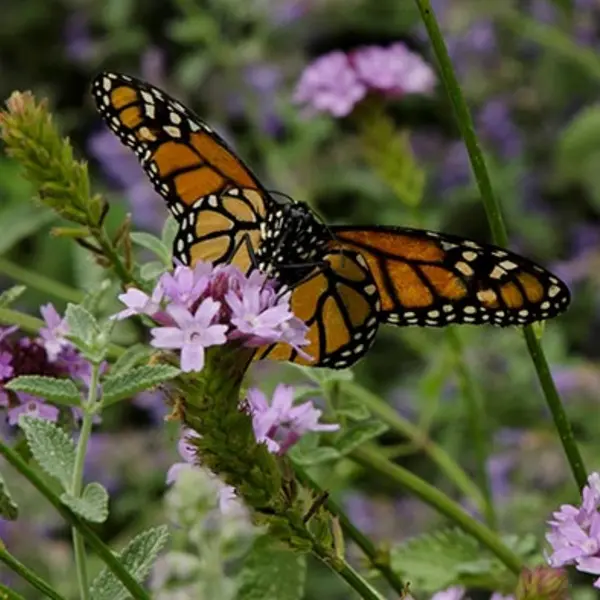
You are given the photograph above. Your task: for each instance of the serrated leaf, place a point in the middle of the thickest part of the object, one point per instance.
(137, 557)
(150, 271)
(126, 384)
(19, 221)
(357, 434)
(325, 377)
(51, 447)
(272, 572)
(169, 232)
(133, 356)
(447, 557)
(92, 505)
(152, 243)
(11, 295)
(60, 391)
(93, 299)
(8, 509)
(353, 408)
(315, 456)
(81, 323)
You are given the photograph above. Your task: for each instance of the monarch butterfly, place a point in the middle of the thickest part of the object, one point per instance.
(345, 281)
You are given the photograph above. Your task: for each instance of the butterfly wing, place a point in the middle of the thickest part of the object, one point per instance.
(339, 303)
(216, 199)
(432, 279)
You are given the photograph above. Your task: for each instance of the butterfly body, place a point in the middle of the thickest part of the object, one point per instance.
(345, 281)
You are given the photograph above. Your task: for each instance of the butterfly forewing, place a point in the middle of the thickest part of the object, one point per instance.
(214, 196)
(432, 279)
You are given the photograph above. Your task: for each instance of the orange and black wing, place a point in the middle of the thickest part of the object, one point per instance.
(339, 303)
(432, 279)
(216, 199)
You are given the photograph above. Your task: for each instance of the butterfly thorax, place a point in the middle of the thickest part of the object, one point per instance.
(292, 243)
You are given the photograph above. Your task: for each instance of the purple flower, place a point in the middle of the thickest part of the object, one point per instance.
(53, 335)
(6, 368)
(79, 44)
(331, 85)
(185, 286)
(280, 424)
(575, 532)
(139, 303)
(32, 405)
(452, 593)
(498, 128)
(394, 70)
(194, 333)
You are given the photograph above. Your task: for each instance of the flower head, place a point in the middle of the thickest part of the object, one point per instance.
(394, 70)
(280, 424)
(575, 532)
(53, 335)
(192, 333)
(330, 84)
(139, 303)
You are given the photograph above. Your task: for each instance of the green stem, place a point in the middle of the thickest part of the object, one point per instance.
(372, 460)
(105, 554)
(9, 594)
(77, 481)
(111, 254)
(28, 575)
(356, 581)
(39, 282)
(477, 425)
(436, 453)
(378, 559)
(496, 223)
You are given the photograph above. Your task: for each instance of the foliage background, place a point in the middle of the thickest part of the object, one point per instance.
(236, 64)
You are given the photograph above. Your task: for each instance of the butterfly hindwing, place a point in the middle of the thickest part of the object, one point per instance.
(339, 303)
(432, 279)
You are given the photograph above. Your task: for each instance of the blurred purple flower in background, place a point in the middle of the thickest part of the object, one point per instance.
(265, 79)
(334, 83)
(452, 593)
(121, 167)
(79, 44)
(496, 127)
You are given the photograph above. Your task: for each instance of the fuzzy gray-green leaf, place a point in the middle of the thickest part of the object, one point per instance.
(60, 391)
(132, 357)
(81, 323)
(51, 447)
(127, 383)
(137, 557)
(272, 572)
(92, 505)
(11, 295)
(152, 243)
(8, 509)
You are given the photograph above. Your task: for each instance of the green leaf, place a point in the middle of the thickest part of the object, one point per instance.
(51, 447)
(579, 143)
(11, 295)
(126, 384)
(60, 391)
(353, 408)
(357, 434)
(20, 221)
(137, 557)
(8, 509)
(448, 557)
(315, 456)
(324, 377)
(272, 572)
(82, 324)
(152, 243)
(94, 298)
(133, 356)
(169, 232)
(150, 271)
(92, 505)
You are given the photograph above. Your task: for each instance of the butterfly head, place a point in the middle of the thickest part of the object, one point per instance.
(292, 242)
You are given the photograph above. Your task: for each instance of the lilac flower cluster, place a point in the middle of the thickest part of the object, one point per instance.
(278, 424)
(575, 532)
(457, 592)
(336, 82)
(51, 354)
(206, 306)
